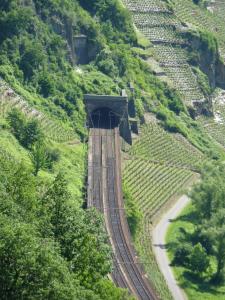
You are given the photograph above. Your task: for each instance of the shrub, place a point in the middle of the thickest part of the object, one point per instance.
(182, 253)
(26, 132)
(43, 157)
(198, 259)
(17, 122)
(133, 214)
(38, 157)
(32, 134)
(106, 64)
(53, 155)
(46, 85)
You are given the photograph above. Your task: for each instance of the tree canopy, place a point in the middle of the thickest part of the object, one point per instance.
(203, 250)
(49, 247)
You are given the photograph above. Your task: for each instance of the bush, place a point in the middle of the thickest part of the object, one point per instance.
(32, 57)
(38, 157)
(161, 115)
(26, 132)
(133, 214)
(53, 155)
(112, 11)
(105, 63)
(32, 134)
(198, 259)
(43, 157)
(182, 253)
(17, 122)
(203, 81)
(46, 85)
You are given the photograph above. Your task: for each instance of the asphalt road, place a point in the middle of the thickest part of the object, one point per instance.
(158, 235)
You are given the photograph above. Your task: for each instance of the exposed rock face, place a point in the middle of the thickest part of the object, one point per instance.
(79, 47)
(209, 62)
(220, 74)
(206, 59)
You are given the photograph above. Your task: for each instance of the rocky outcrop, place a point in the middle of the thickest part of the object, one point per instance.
(220, 74)
(204, 53)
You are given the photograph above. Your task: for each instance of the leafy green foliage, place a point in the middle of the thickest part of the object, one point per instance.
(39, 157)
(209, 233)
(116, 19)
(193, 257)
(106, 290)
(81, 237)
(30, 136)
(207, 41)
(169, 121)
(132, 211)
(182, 253)
(26, 131)
(203, 81)
(31, 268)
(198, 260)
(31, 59)
(215, 230)
(49, 248)
(203, 51)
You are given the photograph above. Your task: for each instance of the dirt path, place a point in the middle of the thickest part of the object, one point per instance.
(158, 235)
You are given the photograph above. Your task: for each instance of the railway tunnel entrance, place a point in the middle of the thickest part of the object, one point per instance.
(108, 120)
(104, 118)
(108, 112)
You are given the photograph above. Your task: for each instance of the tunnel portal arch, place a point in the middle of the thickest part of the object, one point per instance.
(104, 117)
(113, 110)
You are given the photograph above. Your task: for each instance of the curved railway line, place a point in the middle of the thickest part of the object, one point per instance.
(105, 193)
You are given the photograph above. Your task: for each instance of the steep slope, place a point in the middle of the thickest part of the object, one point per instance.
(209, 16)
(44, 75)
(156, 21)
(201, 17)
(178, 46)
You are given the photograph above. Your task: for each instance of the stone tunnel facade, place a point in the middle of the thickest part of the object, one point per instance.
(112, 108)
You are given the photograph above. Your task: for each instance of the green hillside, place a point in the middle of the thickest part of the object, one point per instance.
(51, 246)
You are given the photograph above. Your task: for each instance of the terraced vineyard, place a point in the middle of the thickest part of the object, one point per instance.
(192, 14)
(152, 184)
(156, 145)
(162, 165)
(215, 126)
(154, 19)
(51, 128)
(218, 7)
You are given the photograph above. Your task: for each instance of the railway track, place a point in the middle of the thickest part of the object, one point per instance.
(105, 193)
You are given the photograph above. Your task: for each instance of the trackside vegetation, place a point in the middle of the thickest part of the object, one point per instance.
(49, 248)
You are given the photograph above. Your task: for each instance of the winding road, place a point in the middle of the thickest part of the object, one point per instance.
(159, 246)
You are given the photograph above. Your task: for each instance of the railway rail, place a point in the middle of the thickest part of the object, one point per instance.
(105, 193)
